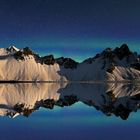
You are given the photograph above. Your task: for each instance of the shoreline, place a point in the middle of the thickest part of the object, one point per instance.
(69, 82)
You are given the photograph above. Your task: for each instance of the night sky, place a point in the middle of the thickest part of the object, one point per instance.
(73, 28)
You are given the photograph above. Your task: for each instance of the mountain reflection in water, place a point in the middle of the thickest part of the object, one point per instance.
(23, 99)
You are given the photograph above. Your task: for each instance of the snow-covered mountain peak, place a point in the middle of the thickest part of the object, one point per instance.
(13, 49)
(8, 51)
(110, 65)
(118, 53)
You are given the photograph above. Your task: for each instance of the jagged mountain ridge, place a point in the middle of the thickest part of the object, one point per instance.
(117, 64)
(111, 99)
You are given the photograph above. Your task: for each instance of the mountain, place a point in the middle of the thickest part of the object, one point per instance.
(111, 99)
(119, 64)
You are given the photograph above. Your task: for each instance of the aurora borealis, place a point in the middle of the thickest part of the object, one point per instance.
(73, 28)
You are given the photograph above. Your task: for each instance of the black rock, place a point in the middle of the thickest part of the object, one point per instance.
(27, 51)
(122, 111)
(67, 101)
(27, 112)
(49, 60)
(122, 52)
(69, 63)
(136, 97)
(110, 69)
(136, 66)
(19, 55)
(49, 103)
(107, 53)
(60, 60)
(19, 107)
(66, 62)
(88, 61)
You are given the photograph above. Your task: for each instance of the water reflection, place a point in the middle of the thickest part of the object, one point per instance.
(23, 99)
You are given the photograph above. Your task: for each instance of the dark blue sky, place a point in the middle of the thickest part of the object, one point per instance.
(70, 27)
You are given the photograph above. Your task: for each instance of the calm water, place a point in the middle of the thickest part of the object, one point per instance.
(69, 112)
